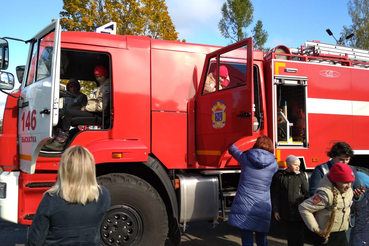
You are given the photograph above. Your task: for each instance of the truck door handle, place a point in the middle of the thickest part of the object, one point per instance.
(45, 111)
(247, 114)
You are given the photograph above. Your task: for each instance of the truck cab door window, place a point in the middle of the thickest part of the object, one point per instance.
(32, 65)
(227, 75)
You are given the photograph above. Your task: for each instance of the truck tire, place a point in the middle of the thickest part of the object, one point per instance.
(137, 214)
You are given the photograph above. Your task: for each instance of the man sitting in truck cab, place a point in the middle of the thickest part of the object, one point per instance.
(95, 106)
(211, 81)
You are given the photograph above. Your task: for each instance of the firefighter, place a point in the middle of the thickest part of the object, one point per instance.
(94, 107)
(331, 205)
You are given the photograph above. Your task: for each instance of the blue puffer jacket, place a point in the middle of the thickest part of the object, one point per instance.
(251, 208)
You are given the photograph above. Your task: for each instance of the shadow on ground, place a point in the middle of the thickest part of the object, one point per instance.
(203, 233)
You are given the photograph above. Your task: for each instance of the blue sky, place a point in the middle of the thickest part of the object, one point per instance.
(288, 22)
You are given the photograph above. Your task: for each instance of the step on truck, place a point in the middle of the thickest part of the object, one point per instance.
(161, 145)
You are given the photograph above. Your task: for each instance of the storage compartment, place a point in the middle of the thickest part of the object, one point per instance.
(199, 198)
(291, 111)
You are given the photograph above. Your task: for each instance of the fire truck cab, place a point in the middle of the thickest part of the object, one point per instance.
(161, 146)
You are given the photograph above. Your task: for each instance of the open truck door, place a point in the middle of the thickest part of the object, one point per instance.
(224, 102)
(39, 98)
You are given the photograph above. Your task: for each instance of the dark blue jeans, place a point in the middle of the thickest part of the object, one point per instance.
(247, 238)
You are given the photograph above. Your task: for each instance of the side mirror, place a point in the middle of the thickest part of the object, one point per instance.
(6, 81)
(20, 72)
(4, 54)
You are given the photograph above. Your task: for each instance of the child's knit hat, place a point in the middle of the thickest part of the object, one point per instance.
(341, 172)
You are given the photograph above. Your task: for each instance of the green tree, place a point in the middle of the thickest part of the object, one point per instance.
(237, 15)
(359, 12)
(260, 37)
(133, 17)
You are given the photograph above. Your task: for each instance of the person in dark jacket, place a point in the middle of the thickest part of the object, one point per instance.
(76, 100)
(71, 212)
(340, 152)
(251, 208)
(289, 189)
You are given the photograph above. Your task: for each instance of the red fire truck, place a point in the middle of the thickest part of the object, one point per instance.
(161, 147)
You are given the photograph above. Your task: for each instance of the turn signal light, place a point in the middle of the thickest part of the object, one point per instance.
(117, 155)
(176, 183)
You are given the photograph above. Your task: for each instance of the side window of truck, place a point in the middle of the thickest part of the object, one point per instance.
(230, 75)
(32, 66)
(237, 75)
(41, 59)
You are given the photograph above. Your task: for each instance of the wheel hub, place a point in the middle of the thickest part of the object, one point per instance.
(122, 225)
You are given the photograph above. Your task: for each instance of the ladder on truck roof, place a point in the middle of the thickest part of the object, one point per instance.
(353, 54)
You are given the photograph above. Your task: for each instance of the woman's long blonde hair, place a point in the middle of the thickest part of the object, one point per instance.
(330, 223)
(76, 182)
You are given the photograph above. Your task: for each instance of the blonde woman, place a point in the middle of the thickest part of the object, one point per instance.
(71, 212)
(331, 205)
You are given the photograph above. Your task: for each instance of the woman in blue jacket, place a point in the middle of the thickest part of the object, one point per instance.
(251, 207)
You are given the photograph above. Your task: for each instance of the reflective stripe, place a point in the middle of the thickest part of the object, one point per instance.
(208, 152)
(25, 157)
(325, 168)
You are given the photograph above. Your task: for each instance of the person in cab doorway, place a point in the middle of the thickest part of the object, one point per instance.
(331, 206)
(340, 152)
(71, 212)
(251, 208)
(289, 189)
(76, 100)
(210, 83)
(95, 105)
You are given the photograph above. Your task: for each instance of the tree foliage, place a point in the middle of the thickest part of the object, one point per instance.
(133, 17)
(260, 37)
(237, 15)
(359, 12)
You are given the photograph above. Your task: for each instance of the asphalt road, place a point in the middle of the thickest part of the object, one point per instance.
(197, 233)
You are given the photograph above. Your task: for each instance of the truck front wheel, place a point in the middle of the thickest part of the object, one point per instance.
(137, 214)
